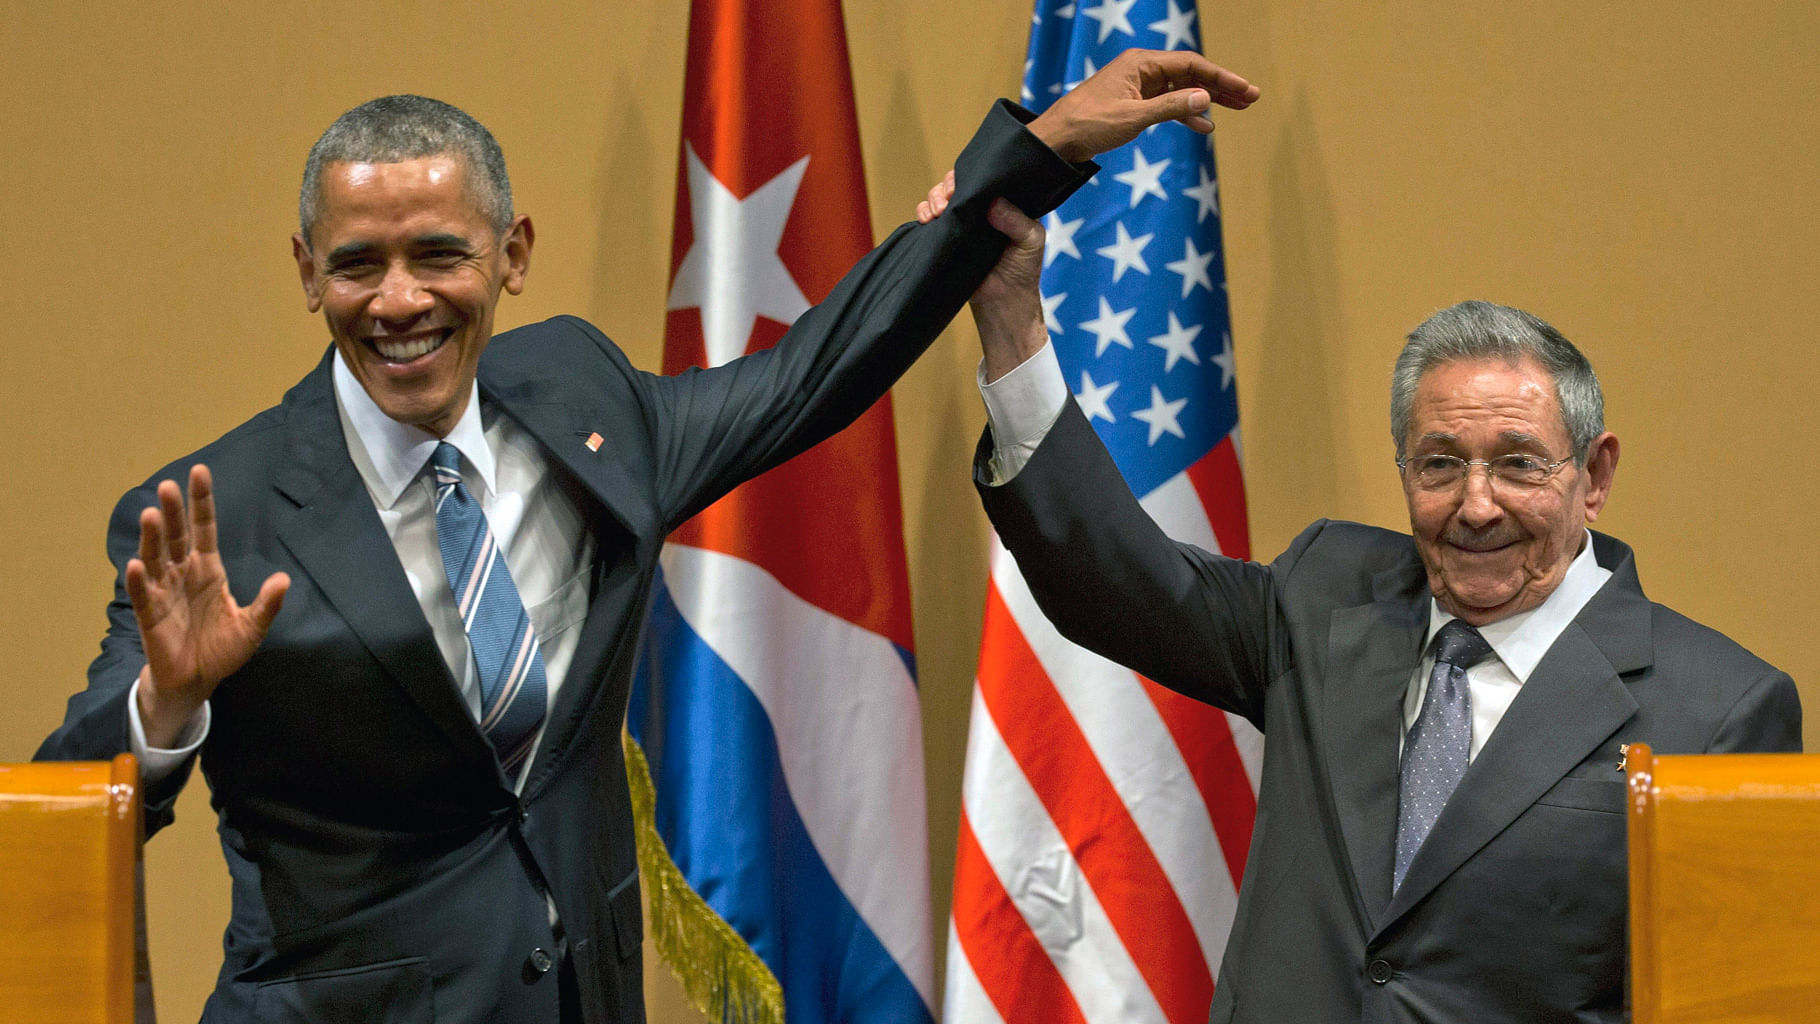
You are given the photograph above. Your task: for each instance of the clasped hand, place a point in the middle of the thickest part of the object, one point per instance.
(1137, 89)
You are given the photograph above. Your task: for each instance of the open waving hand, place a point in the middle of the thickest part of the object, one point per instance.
(195, 634)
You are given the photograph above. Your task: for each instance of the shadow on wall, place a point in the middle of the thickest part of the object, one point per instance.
(1290, 418)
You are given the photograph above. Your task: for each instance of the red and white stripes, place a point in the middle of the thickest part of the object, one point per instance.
(1104, 821)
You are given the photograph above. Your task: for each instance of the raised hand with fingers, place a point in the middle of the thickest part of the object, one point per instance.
(1137, 89)
(194, 632)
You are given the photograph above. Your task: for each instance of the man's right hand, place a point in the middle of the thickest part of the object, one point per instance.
(1008, 305)
(195, 634)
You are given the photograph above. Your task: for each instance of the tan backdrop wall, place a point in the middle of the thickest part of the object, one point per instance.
(1639, 174)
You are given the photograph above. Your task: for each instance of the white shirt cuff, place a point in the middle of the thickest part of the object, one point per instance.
(157, 762)
(1021, 406)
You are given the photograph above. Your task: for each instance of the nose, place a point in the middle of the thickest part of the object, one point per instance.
(401, 297)
(1478, 506)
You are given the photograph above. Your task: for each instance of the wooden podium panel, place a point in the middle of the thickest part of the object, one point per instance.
(1724, 887)
(69, 852)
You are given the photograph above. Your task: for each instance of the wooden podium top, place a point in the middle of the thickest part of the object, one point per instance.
(69, 848)
(1724, 887)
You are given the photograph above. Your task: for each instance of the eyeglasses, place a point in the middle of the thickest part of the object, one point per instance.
(1446, 472)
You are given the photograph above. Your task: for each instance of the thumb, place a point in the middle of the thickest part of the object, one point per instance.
(1011, 222)
(1185, 105)
(271, 598)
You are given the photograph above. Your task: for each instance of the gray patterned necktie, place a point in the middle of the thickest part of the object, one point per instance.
(1436, 750)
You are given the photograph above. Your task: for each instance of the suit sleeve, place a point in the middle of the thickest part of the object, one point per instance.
(1111, 581)
(95, 725)
(715, 428)
(1765, 719)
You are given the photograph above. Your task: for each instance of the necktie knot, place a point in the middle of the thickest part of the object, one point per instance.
(1460, 644)
(446, 461)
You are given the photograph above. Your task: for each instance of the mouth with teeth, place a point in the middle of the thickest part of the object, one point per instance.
(404, 350)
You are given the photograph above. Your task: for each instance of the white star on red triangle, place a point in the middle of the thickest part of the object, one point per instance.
(733, 272)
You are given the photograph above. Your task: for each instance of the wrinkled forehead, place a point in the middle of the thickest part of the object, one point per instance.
(1497, 401)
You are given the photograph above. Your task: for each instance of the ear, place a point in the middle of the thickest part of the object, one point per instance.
(517, 248)
(1601, 467)
(306, 272)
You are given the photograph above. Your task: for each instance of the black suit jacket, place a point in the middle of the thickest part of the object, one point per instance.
(1515, 907)
(383, 868)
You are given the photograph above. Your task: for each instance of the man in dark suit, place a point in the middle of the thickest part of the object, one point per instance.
(421, 794)
(1440, 833)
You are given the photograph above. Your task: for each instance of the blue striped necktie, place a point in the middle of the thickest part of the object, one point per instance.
(499, 630)
(1439, 744)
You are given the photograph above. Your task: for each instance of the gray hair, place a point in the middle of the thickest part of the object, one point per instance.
(1476, 330)
(392, 129)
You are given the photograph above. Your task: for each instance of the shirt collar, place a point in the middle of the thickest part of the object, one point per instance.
(390, 454)
(1522, 639)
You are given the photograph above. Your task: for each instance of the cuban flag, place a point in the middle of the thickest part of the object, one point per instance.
(775, 738)
(1105, 820)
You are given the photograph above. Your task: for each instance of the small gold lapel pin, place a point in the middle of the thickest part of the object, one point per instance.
(1623, 756)
(593, 442)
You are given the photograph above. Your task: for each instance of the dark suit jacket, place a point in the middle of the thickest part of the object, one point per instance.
(383, 868)
(1514, 909)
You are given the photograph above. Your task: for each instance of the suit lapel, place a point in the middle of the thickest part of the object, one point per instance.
(562, 420)
(1371, 652)
(1571, 703)
(329, 525)
(552, 411)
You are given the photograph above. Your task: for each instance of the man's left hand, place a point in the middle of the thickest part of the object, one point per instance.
(1137, 89)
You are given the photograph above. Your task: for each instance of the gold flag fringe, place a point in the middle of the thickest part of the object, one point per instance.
(720, 973)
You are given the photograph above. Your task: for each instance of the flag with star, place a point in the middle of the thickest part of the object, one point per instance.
(773, 731)
(1105, 820)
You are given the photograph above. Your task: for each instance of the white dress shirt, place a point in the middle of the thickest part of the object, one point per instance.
(1024, 404)
(537, 521)
(1519, 641)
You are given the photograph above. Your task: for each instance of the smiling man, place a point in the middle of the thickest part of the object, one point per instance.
(406, 261)
(1440, 833)
(397, 617)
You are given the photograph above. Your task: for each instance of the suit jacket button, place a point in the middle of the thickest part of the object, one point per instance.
(1379, 971)
(539, 961)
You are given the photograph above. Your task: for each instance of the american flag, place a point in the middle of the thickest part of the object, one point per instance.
(775, 714)
(1105, 820)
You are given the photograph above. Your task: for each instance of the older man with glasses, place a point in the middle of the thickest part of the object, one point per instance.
(1440, 833)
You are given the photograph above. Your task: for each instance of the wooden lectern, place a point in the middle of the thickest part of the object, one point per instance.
(70, 838)
(1724, 887)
